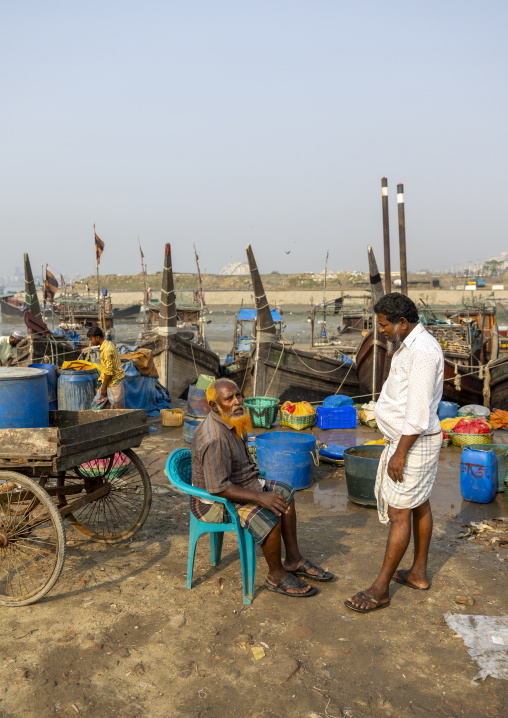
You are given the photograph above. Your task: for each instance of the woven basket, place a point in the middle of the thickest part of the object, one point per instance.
(471, 439)
(204, 381)
(297, 422)
(446, 442)
(262, 410)
(505, 482)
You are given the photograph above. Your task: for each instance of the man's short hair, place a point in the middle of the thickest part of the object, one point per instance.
(95, 332)
(211, 392)
(396, 306)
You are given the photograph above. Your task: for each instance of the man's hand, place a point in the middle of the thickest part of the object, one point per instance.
(104, 391)
(274, 502)
(396, 466)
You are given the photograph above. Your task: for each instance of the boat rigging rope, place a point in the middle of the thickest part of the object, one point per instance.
(275, 372)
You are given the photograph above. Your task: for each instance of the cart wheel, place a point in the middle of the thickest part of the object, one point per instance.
(123, 510)
(32, 540)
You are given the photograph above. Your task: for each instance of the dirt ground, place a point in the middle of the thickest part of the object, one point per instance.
(120, 635)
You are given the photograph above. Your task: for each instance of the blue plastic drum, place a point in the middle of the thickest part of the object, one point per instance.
(287, 456)
(52, 383)
(23, 398)
(76, 389)
(447, 410)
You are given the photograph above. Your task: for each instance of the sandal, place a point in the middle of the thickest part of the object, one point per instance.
(366, 597)
(404, 582)
(291, 581)
(321, 575)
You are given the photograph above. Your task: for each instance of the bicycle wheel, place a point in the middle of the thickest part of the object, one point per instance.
(32, 540)
(123, 510)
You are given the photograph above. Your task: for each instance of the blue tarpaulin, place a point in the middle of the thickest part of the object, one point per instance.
(144, 392)
(247, 315)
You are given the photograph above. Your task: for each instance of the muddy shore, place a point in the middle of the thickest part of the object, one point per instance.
(120, 635)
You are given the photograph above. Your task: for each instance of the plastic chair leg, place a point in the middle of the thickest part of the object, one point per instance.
(216, 539)
(250, 567)
(194, 534)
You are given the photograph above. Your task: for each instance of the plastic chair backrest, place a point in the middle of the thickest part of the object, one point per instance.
(179, 472)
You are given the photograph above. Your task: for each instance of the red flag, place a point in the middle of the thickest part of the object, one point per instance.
(99, 248)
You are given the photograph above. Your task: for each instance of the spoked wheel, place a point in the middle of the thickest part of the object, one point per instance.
(121, 512)
(32, 540)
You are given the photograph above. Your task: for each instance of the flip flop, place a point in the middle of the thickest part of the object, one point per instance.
(366, 597)
(408, 583)
(321, 575)
(291, 582)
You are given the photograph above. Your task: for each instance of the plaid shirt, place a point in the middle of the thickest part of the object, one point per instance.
(220, 458)
(110, 363)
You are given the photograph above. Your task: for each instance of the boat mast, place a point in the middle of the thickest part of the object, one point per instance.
(323, 326)
(265, 326)
(202, 304)
(145, 286)
(167, 316)
(377, 292)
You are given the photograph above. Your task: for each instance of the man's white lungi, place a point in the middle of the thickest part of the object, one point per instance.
(419, 475)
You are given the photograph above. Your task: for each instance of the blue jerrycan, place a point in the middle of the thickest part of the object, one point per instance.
(478, 475)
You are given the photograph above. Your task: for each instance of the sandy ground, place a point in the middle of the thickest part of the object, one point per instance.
(120, 635)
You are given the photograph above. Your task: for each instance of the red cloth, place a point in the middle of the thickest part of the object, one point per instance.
(471, 426)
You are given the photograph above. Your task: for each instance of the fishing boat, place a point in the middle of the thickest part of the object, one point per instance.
(180, 356)
(126, 312)
(282, 371)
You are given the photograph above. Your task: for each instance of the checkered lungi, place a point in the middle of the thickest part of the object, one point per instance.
(257, 520)
(418, 476)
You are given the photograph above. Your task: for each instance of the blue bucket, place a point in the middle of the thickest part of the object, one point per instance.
(287, 456)
(52, 382)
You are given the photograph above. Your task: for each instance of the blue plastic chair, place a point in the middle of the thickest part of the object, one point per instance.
(179, 472)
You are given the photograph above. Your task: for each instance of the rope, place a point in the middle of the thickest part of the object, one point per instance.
(347, 374)
(195, 367)
(276, 368)
(486, 385)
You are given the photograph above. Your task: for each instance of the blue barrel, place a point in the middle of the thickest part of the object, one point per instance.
(52, 382)
(478, 475)
(76, 389)
(197, 405)
(287, 456)
(23, 398)
(447, 410)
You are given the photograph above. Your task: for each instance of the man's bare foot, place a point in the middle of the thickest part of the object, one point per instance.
(412, 578)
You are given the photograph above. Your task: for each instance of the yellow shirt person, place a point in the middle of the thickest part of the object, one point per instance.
(111, 393)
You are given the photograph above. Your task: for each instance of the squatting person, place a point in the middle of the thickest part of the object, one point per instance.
(111, 393)
(9, 348)
(406, 413)
(223, 466)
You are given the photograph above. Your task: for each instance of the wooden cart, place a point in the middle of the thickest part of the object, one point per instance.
(81, 468)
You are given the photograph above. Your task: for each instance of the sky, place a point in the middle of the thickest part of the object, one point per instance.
(267, 122)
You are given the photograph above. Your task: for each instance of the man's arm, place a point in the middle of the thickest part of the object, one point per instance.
(9, 361)
(398, 460)
(106, 378)
(267, 499)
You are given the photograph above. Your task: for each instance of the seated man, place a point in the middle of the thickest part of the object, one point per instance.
(222, 465)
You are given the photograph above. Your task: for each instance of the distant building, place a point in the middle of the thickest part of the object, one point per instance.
(235, 269)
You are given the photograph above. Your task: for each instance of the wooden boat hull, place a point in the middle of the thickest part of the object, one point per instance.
(127, 312)
(294, 375)
(365, 367)
(9, 310)
(499, 383)
(240, 370)
(188, 361)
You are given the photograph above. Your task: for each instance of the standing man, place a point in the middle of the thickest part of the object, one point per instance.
(406, 413)
(111, 391)
(9, 348)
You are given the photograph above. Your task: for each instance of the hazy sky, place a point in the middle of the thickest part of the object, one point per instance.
(270, 123)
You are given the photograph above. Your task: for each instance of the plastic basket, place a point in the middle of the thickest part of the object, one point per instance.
(172, 417)
(470, 439)
(297, 422)
(262, 410)
(343, 417)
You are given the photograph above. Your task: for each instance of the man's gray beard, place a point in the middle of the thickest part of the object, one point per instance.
(395, 341)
